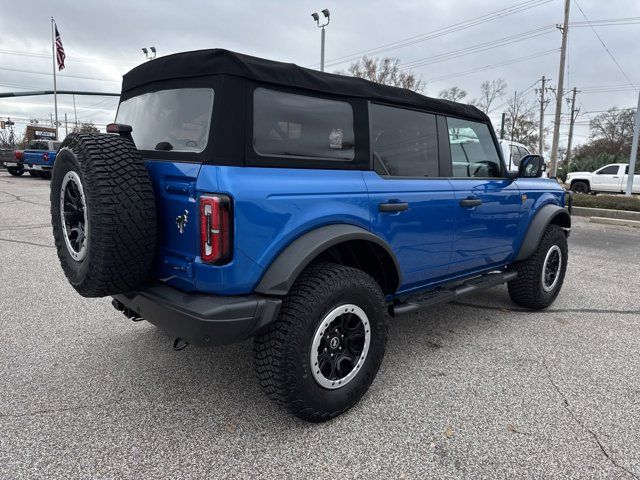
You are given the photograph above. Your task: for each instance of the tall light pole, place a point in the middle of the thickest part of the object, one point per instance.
(316, 17)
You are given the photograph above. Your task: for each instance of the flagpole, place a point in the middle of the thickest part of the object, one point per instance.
(55, 90)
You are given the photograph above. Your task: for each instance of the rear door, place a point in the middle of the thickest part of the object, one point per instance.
(411, 205)
(171, 128)
(487, 203)
(625, 179)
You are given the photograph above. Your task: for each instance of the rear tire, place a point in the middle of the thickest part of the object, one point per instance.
(15, 171)
(580, 187)
(330, 308)
(34, 174)
(540, 276)
(103, 214)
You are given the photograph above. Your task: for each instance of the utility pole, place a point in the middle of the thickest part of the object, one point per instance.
(556, 122)
(572, 119)
(634, 151)
(66, 127)
(541, 133)
(504, 116)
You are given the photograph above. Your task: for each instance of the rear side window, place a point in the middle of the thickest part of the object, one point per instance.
(404, 142)
(171, 120)
(473, 152)
(291, 125)
(56, 145)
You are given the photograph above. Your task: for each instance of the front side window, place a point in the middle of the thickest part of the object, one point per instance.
(292, 125)
(610, 170)
(169, 120)
(473, 151)
(404, 142)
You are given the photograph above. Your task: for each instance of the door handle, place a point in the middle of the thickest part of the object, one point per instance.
(393, 207)
(470, 202)
(616, 177)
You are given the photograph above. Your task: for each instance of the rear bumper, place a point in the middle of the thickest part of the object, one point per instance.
(201, 319)
(36, 167)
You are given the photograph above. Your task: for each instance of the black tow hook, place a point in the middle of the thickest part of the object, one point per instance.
(126, 311)
(180, 344)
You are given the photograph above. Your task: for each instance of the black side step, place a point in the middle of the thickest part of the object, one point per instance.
(446, 294)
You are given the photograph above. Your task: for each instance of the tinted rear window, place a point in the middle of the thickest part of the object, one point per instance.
(172, 120)
(291, 125)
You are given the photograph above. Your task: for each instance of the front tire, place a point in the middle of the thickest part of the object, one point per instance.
(15, 171)
(322, 353)
(580, 187)
(540, 276)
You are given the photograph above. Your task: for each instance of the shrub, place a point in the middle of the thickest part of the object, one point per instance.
(612, 202)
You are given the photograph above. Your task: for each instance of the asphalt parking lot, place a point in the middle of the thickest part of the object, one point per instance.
(479, 389)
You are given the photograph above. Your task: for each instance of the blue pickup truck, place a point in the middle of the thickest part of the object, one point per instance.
(39, 157)
(238, 197)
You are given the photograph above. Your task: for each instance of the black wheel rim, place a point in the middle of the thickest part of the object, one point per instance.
(551, 268)
(340, 346)
(73, 216)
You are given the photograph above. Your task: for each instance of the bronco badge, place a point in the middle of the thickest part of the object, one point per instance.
(181, 221)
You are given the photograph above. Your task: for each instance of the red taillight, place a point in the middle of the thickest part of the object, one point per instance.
(45, 157)
(18, 154)
(215, 228)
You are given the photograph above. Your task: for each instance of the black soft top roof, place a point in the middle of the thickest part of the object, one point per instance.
(201, 63)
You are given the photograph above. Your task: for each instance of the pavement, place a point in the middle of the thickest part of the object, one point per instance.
(478, 389)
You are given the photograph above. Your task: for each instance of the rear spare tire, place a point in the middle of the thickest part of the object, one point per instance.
(103, 214)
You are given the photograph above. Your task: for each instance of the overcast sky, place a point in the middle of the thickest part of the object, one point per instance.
(103, 40)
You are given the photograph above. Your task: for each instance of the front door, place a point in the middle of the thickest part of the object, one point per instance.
(411, 205)
(487, 204)
(607, 179)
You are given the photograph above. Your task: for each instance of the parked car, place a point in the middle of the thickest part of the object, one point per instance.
(238, 197)
(610, 178)
(39, 157)
(13, 164)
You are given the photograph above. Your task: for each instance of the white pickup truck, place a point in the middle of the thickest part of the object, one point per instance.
(610, 178)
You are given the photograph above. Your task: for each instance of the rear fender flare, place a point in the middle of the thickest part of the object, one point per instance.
(546, 215)
(290, 262)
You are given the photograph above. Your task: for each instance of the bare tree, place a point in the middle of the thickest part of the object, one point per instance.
(386, 71)
(521, 124)
(86, 128)
(455, 94)
(490, 91)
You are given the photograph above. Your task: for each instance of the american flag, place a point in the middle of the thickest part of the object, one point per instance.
(60, 56)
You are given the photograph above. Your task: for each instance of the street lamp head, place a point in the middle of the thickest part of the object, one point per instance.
(145, 51)
(325, 12)
(153, 49)
(316, 17)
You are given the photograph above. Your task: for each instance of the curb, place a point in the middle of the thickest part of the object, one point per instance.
(605, 213)
(616, 221)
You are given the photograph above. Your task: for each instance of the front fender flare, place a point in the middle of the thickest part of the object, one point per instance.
(538, 225)
(290, 262)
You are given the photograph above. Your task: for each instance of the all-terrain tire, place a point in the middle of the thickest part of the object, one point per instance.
(120, 211)
(528, 289)
(15, 171)
(282, 352)
(580, 187)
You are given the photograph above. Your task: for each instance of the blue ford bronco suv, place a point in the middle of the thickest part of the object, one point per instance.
(238, 197)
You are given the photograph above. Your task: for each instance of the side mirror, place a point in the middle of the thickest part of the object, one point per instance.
(531, 166)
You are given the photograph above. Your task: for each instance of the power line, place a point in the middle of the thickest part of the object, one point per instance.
(50, 74)
(72, 59)
(495, 65)
(456, 27)
(603, 44)
(480, 47)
